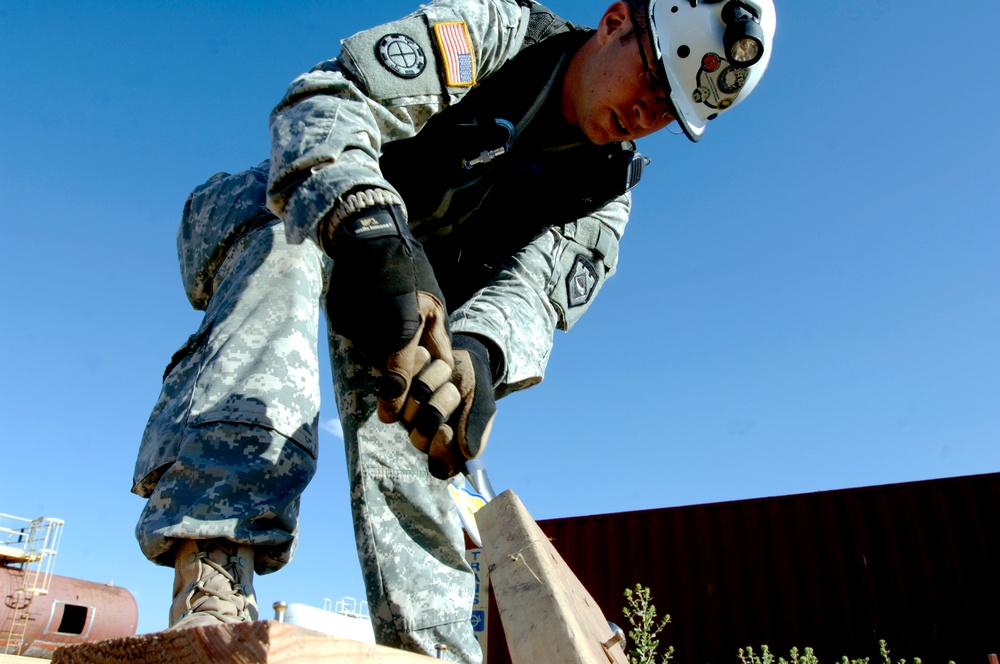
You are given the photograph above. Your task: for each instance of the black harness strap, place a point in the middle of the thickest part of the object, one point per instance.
(477, 190)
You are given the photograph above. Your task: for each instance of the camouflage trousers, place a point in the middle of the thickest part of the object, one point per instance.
(231, 445)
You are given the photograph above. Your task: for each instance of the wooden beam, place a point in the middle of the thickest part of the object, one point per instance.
(261, 642)
(17, 659)
(547, 614)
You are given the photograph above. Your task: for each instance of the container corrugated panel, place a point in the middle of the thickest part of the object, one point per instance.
(916, 564)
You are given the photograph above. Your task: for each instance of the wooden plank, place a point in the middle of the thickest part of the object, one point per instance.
(261, 642)
(548, 616)
(17, 659)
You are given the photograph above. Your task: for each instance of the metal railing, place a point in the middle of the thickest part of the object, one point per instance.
(29, 546)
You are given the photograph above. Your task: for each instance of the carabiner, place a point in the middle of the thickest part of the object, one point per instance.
(486, 156)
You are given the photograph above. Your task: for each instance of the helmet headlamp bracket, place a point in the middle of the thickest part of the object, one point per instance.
(739, 33)
(744, 37)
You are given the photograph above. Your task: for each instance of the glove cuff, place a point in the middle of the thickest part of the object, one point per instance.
(352, 205)
(472, 344)
(487, 349)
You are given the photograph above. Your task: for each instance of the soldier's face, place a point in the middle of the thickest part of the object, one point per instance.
(610, 92)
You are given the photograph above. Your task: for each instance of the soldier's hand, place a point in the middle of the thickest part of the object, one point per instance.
(432, 399)
(385, 298)
(463, 432)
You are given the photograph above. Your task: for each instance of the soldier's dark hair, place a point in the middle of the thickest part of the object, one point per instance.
(639, 10)
(640, 13)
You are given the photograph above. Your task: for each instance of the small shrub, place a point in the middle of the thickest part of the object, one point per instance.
(641, 614)
(748, 656)
(643, 642)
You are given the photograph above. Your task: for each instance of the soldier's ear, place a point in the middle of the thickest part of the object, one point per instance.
(616, 17)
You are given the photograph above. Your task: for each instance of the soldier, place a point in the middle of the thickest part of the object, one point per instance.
(450, 189)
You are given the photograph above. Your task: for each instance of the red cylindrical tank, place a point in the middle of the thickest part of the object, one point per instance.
(74, 611)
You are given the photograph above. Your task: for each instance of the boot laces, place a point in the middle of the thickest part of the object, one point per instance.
(208, 586)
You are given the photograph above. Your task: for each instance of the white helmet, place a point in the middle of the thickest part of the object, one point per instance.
(712, 53)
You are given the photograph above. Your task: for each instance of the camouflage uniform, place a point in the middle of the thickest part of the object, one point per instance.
(252, 365)
(239, 402)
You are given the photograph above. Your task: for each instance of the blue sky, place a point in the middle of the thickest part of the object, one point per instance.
(808, 299)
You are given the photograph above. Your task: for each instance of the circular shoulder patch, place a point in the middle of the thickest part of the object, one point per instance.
(401, 55)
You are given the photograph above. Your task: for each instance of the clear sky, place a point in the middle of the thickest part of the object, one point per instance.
(808, 299)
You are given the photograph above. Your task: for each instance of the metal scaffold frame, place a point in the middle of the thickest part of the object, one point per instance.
(30, 546)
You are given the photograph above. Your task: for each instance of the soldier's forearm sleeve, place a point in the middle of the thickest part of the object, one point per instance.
(549, 284)
(328, 130)
(325, 141)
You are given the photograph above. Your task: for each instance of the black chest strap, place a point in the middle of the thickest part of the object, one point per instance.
(478, 182)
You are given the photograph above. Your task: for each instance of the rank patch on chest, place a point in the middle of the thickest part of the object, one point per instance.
(581, 282)
(401, 55)
(456, 53)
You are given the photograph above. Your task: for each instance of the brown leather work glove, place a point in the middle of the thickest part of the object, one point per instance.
(451, 421)
(385, 298)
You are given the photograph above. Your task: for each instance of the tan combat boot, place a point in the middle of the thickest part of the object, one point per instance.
(213, 584)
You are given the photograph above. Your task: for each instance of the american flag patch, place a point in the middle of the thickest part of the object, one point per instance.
(456, 49)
